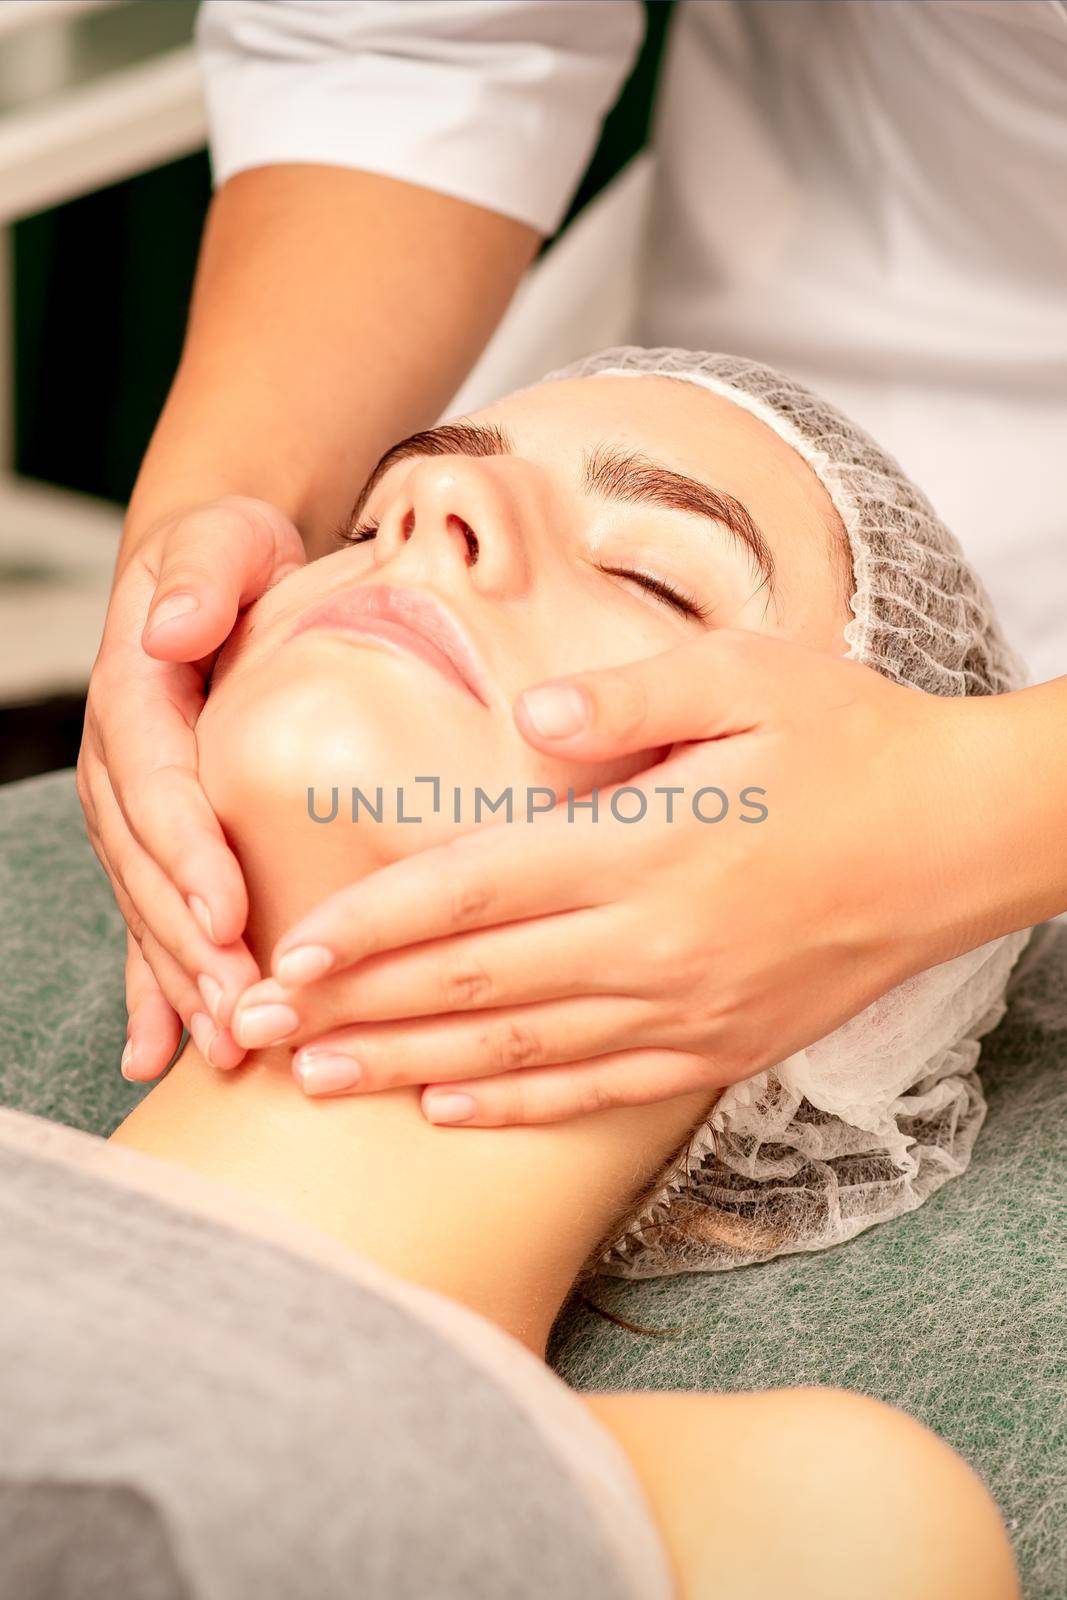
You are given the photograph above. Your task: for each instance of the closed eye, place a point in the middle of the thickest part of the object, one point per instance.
(346, 534)
(685, 604)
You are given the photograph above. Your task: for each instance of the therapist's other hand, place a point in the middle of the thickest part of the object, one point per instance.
(529, 976)
(179, 887)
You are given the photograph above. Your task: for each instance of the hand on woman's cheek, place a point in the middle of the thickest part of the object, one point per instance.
(288, 740)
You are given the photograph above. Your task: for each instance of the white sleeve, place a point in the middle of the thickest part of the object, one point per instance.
(498, 102)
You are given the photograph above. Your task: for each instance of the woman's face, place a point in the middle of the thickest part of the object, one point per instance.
(575, 525)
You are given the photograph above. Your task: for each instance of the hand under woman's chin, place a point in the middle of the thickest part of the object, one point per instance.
(284, 741)
(292, 726)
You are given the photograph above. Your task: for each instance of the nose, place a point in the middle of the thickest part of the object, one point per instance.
(457, 517)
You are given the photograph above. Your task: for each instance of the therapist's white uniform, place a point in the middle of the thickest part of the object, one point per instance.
(872, 196)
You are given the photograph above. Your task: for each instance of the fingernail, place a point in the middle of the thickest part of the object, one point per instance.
(169, 610)
(211, 992)
(202, 915)
(303, 965)
(556, 712)
(326, 1071)
(226, 1053)
(449, 1107)
(261, 1025)
(203, 1031)
(125, 1061)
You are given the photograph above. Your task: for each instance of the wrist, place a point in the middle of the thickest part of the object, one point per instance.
(998, 806)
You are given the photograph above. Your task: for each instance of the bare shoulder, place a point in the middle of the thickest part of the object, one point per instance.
(810, 1492)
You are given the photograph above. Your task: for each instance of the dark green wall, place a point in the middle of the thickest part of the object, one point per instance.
(102, 290)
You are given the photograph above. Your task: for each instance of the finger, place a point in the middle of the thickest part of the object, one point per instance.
(155, 1028)
(160, 1002)
(476, 881)
(556, 1094)
(148, 767)
(547, 958)
(144, 738)
(88, 756)
(130, 914)
(219, 558)
(222, 972)
(385, 1055)
(216, 1045)
(174, 824)
(725, 682)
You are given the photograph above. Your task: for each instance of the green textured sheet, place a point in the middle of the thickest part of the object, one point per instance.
(955, 1312)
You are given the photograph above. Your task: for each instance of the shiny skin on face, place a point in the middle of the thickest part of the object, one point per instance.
(550, 555)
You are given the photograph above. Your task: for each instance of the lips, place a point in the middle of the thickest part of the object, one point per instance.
(407, 619)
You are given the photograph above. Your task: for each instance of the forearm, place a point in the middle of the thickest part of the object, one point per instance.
(334, 311)
(1010, 810)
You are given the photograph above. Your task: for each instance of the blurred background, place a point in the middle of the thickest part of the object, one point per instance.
(104, 184)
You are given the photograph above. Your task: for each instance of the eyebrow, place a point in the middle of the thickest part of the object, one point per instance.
(625, 477)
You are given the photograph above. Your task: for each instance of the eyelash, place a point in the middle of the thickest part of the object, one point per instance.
(685, 604)
(346, 534)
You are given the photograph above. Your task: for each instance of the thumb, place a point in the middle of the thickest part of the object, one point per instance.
(214, 561)
(726, 682)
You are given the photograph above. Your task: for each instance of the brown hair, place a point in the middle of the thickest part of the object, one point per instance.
(689, 1219)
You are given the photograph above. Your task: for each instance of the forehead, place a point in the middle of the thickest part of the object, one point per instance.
(680, 424)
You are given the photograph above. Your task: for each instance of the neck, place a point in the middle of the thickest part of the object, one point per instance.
(500, 1219)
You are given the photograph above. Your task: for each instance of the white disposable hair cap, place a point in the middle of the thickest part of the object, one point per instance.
(870, 1121)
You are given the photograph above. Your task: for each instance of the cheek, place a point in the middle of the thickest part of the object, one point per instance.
(270, 734)
(264, 738)
(318, 717)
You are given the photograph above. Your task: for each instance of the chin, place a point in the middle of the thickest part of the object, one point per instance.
(323, 717)
(268, 736)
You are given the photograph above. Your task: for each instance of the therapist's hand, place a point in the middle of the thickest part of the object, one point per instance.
(180, 889)
(532, 972)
